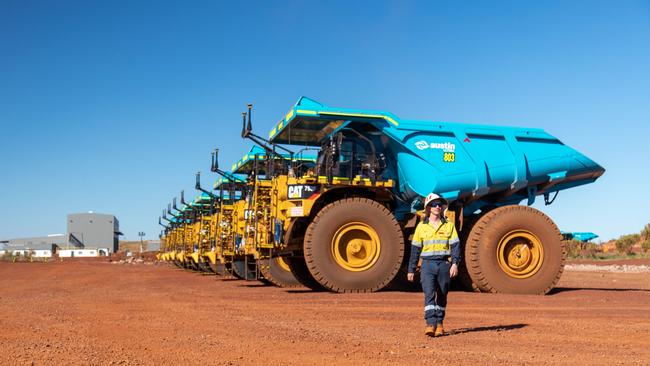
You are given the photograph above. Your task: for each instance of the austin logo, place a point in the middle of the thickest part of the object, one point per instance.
(444, 146)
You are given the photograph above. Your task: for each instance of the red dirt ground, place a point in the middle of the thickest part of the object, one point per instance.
(91, 312)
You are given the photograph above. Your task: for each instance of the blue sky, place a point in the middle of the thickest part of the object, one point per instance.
(113, 106)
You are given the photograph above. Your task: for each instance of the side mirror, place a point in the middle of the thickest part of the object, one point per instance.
(249, 128)
(215, 160)
(243, 125)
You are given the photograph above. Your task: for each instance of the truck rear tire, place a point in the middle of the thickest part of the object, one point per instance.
(277, 272)
(514, 249)
(354, 245)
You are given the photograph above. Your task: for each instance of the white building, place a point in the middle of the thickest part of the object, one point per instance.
(70, 253)
(41, 253)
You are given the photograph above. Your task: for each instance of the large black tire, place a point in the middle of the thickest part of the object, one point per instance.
(519, 272)
(217, 268)
(246, 268)
(205, 266)
(238, 268)
(189, 264)
(193, 266)
(320, 245)
(300, 271)
(230, 271)
(273, 271)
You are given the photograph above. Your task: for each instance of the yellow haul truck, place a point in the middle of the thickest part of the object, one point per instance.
(225, 241)
(164, 239)
(186, 234)
(182, 236)
(245, 250)
(201, 216)
(227, 255)
(172, 233)
(211, 253)
(192, 233)
(336, 188)
(257, 243)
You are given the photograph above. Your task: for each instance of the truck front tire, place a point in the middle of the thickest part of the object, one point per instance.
(354, 245)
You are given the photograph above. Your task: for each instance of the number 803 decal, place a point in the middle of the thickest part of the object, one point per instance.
(449, 157)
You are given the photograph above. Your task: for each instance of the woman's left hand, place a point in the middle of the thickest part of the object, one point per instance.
(453, 271)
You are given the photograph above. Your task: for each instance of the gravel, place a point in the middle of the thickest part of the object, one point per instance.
(615, 268)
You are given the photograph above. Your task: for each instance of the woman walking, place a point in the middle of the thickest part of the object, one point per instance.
(436, 241)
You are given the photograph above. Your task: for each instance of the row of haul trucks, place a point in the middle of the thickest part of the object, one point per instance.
(331, 198)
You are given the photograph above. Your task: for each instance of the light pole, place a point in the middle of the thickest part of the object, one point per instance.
(141, 234)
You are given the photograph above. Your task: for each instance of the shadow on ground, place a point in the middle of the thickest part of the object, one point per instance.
(558, 290)
(498, 328)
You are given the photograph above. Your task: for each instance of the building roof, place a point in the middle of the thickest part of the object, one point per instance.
(37, 242)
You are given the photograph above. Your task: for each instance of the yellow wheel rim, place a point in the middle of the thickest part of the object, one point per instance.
(282, 263)
(520, 254)
(356, 246)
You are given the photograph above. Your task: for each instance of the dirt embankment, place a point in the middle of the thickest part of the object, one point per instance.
(89, 312)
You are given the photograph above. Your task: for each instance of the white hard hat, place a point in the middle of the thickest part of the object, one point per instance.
(433, 197)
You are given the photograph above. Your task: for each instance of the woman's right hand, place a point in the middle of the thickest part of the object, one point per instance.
(410, 276)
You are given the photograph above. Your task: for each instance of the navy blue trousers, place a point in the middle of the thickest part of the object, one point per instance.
(434, 276)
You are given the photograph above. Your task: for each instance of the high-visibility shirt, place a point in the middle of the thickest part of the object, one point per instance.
(434, 242)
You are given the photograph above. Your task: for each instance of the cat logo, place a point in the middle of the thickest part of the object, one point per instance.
(301, 191)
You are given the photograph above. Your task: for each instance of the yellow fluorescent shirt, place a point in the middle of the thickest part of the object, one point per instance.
(435, 241)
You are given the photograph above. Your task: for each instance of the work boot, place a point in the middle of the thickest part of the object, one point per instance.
(439, 331)
(429, 330)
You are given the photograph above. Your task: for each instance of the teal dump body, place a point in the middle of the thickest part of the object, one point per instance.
(202, 199)
(226, 185)
(478, 165)
(581, 236)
